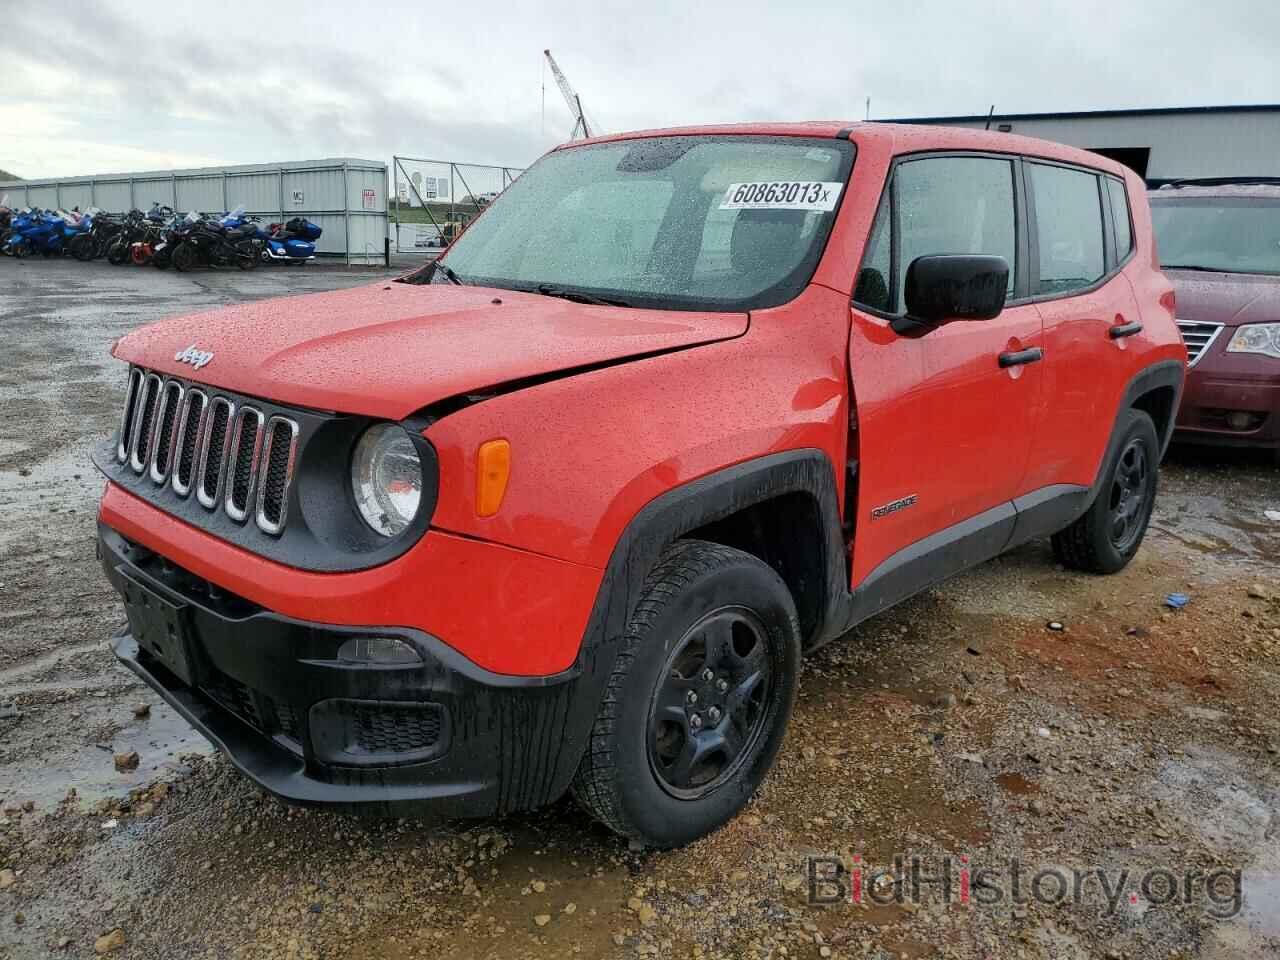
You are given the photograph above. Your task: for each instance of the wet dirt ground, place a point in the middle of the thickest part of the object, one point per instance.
(1131, 754)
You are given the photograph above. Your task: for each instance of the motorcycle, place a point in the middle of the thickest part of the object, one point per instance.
(290, 242)
(95, 237)
(210, 243)
(40, 231)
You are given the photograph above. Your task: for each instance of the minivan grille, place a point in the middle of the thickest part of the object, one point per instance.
(1198, 337)
(231, 456)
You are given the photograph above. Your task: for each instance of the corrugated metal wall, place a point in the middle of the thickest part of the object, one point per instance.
(1218, 143)
(346, 197)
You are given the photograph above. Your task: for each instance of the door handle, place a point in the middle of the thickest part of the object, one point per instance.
(1124, 330)
(1015, 358)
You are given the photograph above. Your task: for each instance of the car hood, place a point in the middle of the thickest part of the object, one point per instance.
(1227, 298)
(390, 349)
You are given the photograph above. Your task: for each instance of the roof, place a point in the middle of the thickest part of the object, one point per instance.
(1268, 187)
(233, 170)
(898, 137)
(1097, 114)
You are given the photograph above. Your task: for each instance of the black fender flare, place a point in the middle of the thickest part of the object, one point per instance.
(655, 527)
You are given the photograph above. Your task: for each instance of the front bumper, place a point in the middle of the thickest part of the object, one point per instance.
(1215, 391)
(443, 737)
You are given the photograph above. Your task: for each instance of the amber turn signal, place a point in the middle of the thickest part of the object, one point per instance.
(493, 467)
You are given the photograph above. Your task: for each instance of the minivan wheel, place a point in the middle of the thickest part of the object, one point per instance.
(696, 708)
(1106, 538)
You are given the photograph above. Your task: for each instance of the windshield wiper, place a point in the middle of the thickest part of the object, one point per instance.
(448, 272)
(1192, 266)
(578, 296)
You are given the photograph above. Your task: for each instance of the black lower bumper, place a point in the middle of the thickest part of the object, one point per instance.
(442, 736)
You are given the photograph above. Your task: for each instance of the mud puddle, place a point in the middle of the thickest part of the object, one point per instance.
(47, 776)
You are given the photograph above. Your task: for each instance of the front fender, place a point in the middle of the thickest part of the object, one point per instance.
(590, 451)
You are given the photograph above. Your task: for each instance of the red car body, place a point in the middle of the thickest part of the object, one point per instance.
(628, 428)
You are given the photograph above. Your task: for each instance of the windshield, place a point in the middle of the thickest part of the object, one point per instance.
(720, 223)
(1227, 234)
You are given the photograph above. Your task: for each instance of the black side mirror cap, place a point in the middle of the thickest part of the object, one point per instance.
(947, 287)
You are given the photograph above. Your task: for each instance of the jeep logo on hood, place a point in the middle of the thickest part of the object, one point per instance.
(197, 358)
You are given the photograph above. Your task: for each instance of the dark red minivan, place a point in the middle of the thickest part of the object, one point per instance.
(1219, 242)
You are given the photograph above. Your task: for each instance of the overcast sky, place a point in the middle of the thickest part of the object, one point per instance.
(134, 84)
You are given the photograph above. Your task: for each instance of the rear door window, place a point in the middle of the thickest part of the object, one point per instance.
(1068, 228)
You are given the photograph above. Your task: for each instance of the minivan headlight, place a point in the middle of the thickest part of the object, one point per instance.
(1263, 338)
(386, 478)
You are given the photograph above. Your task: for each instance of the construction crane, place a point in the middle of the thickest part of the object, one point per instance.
(581, 127)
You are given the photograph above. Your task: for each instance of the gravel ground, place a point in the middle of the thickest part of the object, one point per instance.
(1136, 746)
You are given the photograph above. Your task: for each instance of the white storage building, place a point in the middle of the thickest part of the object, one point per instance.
(346, 197)
(1160, 144)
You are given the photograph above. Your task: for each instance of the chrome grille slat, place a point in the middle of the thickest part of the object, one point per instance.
(237, 456)
(126, 417)
(143, 417)
(213, 451)
(186, 444)
(242, 470)
(161, 454)
(1198, 336)
(279, 451)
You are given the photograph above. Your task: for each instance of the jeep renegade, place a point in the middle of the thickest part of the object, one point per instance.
(562, 510)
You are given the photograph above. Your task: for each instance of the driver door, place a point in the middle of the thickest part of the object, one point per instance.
(945, 422)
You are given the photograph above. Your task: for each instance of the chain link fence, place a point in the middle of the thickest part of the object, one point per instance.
(434, 200)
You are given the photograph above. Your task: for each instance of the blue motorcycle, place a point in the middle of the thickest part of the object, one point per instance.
(36, 231)
(291, 242)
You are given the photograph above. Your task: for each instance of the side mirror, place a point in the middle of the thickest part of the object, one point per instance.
(949, 287)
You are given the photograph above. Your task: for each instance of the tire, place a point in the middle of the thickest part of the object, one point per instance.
(81, 247)
(118, 252)
(705, 609)
(246, 256)
(184, 258)
(1106, 538)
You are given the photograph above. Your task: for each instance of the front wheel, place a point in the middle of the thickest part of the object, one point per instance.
(1106, 538)
(699, 699)
(246, 255)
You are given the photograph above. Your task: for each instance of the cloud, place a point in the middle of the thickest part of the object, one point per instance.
(248, 82)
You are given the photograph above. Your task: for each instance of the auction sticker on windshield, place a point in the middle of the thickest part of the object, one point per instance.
(782, 195)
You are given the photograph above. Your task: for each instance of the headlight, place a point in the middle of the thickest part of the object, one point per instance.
(1263, 338)
(386, 478)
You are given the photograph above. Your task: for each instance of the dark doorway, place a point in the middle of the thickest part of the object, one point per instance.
(1135, 158)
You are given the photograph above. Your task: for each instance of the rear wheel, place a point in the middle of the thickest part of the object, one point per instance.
(118, 251)
(1105, 539)
(699, 699)
(184, 258)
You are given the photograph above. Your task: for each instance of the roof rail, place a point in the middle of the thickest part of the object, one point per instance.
(1218, 181)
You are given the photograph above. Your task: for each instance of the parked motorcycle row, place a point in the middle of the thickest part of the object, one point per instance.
(160, 237)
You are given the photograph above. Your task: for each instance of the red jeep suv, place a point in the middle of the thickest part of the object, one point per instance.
(1219, 240)
(562, 510)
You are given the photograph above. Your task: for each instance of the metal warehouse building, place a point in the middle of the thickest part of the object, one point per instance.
(346, 197)
(1161, 144)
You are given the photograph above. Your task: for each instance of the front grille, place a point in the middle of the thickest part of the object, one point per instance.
(213, 451)
(143, 417)
(260, 711)
(235, 459)
(237, 697)
(1198, 337)
(162, 446)
(273, 486)
(188, 441)
(246, 445)
(383, 730)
